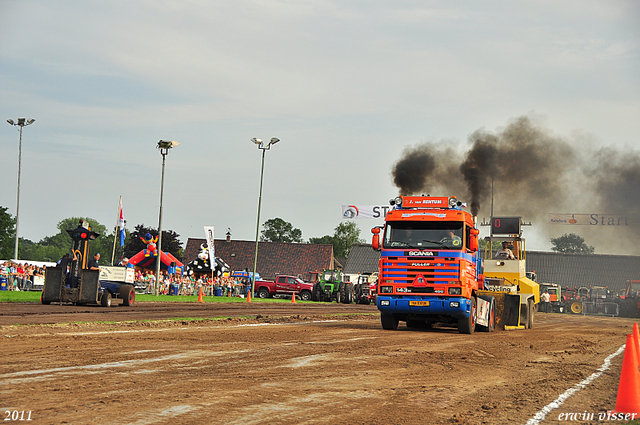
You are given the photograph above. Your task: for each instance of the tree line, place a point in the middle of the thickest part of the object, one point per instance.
(52, 248)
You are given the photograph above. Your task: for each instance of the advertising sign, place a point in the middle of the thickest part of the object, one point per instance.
(601, 220)
(351, 212)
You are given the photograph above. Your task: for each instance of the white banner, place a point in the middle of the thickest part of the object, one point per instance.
(208, 235)
(351, 212)
(594, 219)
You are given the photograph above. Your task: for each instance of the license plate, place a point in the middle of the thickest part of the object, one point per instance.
(419, 303)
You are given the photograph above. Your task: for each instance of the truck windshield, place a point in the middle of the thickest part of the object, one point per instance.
(424, 235)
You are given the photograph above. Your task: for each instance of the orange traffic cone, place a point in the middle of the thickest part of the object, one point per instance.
(249, 296)
(636, 339)
(200, 299)
(628, 400)
(293, 298)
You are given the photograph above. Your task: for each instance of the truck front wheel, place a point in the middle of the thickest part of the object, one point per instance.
(389, 321)
(468, 325)
(305, 295)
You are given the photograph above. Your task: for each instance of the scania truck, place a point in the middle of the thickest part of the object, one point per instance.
(431, 271)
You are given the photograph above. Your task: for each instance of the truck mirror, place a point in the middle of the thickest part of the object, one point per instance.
(375, 243)
(473, 242)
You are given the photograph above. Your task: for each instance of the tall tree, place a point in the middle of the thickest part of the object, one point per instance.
(345, 235)
(278, 230)
(170, 241)
(571, 243)
(324, 240)
(52, 248)
(7, 234)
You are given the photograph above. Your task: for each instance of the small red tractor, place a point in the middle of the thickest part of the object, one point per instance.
(364, 290)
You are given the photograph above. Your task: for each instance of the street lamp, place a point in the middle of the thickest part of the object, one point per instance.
(22, 122)
(264, 148)
(164, 146)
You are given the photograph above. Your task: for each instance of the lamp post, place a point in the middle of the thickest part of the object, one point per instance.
(22, 122)
(164, 146)
(264, 148)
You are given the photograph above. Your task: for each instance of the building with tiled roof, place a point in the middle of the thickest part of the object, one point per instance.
(295, 259)
(362, 259)
(584, 269)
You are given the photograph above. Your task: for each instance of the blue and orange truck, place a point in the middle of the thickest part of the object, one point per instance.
(432, 271)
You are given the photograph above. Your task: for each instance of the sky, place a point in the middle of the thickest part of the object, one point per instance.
(346, 86)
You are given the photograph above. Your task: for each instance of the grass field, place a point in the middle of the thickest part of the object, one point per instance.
(26, 297)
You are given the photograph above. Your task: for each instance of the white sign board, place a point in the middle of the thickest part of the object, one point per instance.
(208, 235)
(117, 274)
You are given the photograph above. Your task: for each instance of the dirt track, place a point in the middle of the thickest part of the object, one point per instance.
(298, 363)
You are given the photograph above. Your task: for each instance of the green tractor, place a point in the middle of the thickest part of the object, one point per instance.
(331, 286)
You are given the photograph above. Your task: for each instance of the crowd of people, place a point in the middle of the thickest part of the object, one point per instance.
(175, 284)
(20, 276)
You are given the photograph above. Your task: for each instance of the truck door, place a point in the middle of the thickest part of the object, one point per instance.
(281, 285)
(293, 285)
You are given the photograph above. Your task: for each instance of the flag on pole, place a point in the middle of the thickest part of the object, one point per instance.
(121, 224)
(208, 234)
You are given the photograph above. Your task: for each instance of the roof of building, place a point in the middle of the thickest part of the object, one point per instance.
(295, 259)
(362, 259)
(584, 269)
(339, 262)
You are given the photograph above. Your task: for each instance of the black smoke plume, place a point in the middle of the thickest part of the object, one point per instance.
(533, 173)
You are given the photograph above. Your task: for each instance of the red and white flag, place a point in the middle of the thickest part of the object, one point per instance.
(121, 224)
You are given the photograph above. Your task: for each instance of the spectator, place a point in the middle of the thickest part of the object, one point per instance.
(20, 276)
(152, 282)
(544, 298)
(93, 263)
(13, 282)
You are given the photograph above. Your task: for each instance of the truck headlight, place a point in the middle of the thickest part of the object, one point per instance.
(386, 289)
(455, 291)
(454, 304)
(384, 302)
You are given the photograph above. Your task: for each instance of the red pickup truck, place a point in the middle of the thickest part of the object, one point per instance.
(284, 285)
